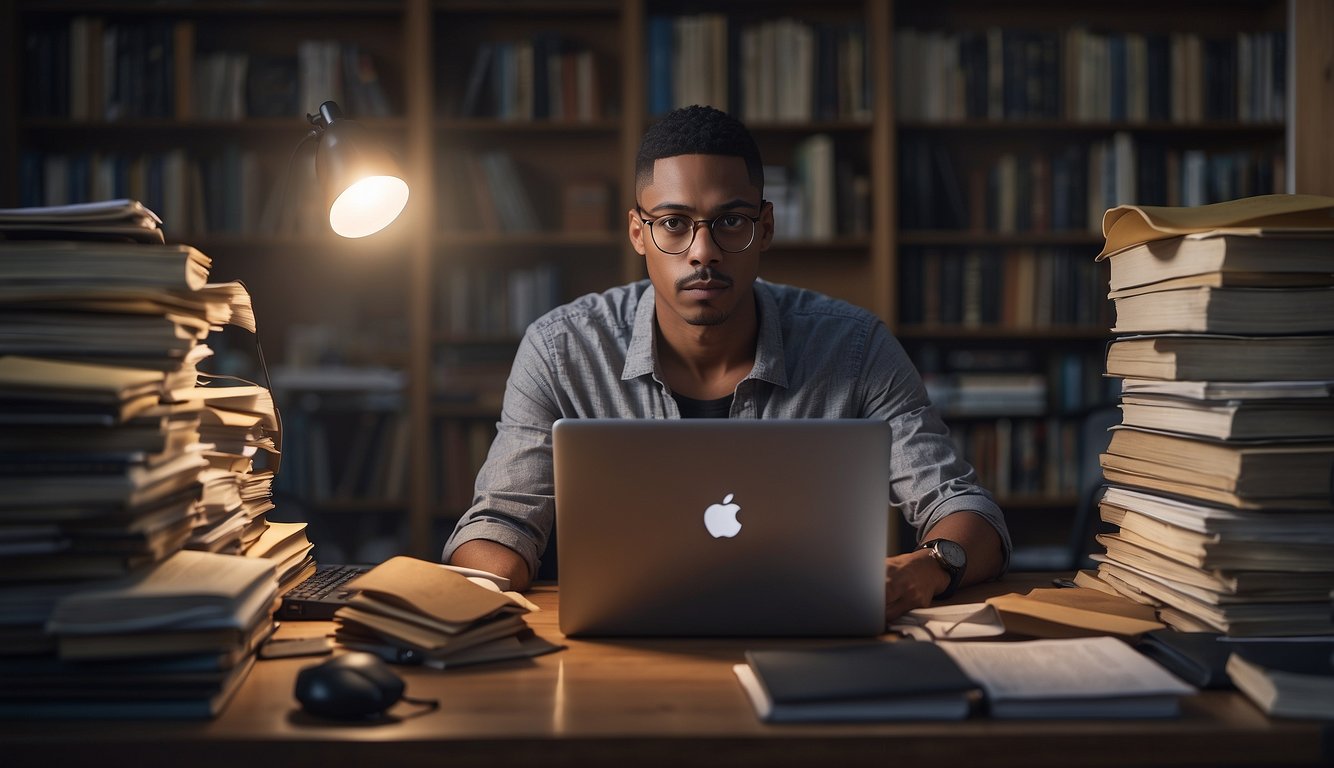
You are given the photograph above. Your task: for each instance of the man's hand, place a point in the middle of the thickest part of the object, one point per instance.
(911, 581)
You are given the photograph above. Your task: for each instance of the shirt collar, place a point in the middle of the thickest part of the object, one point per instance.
(769, 366)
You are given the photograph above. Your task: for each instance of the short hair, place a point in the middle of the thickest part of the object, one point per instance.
(697, 130)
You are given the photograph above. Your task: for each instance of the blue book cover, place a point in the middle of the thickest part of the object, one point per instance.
(660, 36)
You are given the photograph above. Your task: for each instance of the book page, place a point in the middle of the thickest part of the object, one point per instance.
(1095, 667)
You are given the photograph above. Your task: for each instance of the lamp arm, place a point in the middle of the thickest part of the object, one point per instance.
(287, 175)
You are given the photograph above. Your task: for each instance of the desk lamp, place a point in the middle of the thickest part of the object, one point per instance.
(363, 186)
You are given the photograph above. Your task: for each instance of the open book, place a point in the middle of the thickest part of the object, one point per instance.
(1080, 677)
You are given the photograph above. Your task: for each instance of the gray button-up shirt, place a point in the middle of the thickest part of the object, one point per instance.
(816, 357)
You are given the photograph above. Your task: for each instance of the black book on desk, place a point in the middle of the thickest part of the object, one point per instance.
(1199, 658)
(859, 682)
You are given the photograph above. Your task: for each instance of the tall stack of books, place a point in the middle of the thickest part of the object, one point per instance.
(110, 452)
(1220, 472)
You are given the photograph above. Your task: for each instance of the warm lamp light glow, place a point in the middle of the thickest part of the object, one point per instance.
(368, 206)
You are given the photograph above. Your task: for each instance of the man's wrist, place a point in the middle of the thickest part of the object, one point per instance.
(951, 558)
(935, 575)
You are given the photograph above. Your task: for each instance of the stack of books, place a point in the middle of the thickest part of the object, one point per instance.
(1220, 470)
(287, 547)
(240, 426)
(113, 457)
(175, 640)
(425, 612)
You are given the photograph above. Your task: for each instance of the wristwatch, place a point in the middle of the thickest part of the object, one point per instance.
(950, 556)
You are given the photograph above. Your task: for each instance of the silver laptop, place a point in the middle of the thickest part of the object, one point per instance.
(722, 526)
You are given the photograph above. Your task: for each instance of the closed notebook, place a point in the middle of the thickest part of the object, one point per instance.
(1199, 658)
(865, 681)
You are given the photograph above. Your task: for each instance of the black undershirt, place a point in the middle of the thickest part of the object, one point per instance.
(703, 409)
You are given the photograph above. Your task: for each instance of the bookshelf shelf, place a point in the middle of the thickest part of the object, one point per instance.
(286, 127)
(425, 53)
(959, 332)
(1015, 126)
(529, 239)
(503, 130)
(999, 239)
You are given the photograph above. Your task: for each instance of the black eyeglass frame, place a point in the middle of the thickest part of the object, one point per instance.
(694, 227)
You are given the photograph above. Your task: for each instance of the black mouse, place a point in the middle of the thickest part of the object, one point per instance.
(350, 686)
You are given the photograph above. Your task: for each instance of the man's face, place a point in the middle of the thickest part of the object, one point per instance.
(705, 284)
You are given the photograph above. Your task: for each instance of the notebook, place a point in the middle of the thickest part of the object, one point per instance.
(722, 527)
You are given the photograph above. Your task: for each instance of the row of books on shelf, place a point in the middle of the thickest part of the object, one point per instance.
(780, 70)
(135, 489)
(344, 455)
(1083, 75)
(478, 300)
(462, 444)
(95, 68)
(1009, 288)
(1067, 188)
(1219, 507)
(229, 190)
(492, 192)
(965, 379)
(235, 85)
(1021, 456)
(822, 194)
(544, 78)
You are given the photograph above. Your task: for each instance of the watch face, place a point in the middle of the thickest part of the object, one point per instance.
(951, 552)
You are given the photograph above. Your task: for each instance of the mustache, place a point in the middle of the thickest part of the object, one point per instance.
(705, 275)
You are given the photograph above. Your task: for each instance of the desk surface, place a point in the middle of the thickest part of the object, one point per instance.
(645, 703)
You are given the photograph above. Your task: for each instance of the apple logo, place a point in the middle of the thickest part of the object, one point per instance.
(721, 520)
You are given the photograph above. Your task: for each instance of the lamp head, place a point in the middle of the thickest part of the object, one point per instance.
(363, 186)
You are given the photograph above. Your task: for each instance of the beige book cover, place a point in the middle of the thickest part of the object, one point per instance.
(432, 591)
(1128, 225)
(1073, 613)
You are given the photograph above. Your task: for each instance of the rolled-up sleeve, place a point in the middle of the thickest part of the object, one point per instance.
(513, 500)
(929, 480)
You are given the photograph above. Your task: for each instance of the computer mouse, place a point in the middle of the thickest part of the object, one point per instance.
(351, 686)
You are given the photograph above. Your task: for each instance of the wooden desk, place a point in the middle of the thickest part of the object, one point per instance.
(644, 703)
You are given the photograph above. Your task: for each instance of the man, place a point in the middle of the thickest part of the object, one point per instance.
(703, 337)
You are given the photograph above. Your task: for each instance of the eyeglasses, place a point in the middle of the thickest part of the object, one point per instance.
(732, 232)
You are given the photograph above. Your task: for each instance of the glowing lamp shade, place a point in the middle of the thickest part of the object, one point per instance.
(368, 206)
(362, 184)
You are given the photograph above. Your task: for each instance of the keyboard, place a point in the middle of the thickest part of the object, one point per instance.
(318, 597)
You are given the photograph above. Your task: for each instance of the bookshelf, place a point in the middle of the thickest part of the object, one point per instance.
(518, 122)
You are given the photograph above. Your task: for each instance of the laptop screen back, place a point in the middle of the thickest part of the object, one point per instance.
(722, 526)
